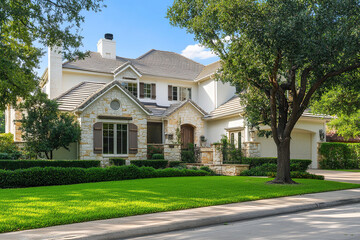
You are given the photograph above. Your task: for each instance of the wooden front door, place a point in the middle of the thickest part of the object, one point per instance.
(187, 135)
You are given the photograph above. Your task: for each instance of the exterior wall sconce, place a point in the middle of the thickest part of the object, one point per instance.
(322, 135)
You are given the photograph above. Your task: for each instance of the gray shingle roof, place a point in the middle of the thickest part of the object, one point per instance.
(174, 107)
(75, 96)
(155, 63)
(208, 70)
(232, 106)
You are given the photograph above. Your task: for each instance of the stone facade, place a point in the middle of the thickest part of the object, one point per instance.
(252, 149)
(223, 169)
(101, 106)
(172, 152)
(206, 155)
(187, 114)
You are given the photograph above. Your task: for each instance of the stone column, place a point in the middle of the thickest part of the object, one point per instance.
(172, 152)
(206, 155)
(252, 149)
(217, 154)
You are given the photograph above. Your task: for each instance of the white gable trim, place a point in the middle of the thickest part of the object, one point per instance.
(115, 85)
(126, 67)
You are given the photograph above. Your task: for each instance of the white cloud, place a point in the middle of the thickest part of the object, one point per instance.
(197, 51)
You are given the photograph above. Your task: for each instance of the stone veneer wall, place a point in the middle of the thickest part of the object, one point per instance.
(102, 107)
(223, 169)
(252, 149)
(187, 114)
(172, 152)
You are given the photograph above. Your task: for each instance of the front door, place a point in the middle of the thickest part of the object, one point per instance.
(187, 135)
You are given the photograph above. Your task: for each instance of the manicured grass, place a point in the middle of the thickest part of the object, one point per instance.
(37, 207)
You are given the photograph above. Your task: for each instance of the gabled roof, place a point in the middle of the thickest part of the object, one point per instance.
(230, 107)
(83, 94)
(208, 70)
(154, 63)
(174, 107)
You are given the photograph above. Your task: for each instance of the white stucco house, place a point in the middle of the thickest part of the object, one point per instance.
(124, 104)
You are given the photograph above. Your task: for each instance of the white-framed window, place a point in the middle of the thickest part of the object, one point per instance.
(180, 93)
(147, 90)
(132, 87)
(115, 138)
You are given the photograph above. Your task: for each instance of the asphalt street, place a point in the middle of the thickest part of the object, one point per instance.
(342, 222)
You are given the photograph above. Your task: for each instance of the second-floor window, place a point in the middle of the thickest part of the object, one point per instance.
(132, 87)
(148, 90)
(178, 93)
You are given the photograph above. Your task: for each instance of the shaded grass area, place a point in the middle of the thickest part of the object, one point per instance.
(38, 207)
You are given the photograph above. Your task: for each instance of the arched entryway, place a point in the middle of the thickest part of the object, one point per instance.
(187, 135)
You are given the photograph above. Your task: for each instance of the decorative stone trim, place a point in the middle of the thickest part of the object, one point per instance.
(252, 149)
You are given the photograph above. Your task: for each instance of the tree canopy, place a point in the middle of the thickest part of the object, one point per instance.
(25, 22)
(279, 52)
(45, 128)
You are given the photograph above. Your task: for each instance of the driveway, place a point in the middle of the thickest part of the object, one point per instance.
(338, 176)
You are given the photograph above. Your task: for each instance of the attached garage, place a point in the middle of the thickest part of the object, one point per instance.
(300, 146)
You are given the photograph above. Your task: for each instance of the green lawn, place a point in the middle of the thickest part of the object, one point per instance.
(346, 170)
(47, 206)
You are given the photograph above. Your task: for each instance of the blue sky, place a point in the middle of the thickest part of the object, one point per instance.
(138, 26)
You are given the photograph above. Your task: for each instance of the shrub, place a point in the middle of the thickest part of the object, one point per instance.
(37, 176)
(117, 161)
(207, 169)
(262, 170)
(21, 164)
(300, 175)
(174, 163)
(8, 149)
(255, 162)
(339, 155)
(157, 156)
(187, 156)
(150, 163)
(151, 150)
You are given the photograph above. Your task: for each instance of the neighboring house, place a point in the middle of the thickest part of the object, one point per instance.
(125, 104)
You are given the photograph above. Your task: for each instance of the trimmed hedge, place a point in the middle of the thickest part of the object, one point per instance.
(300, 175)
(255, 162)
(150, 163)
(339, 155)
(48, 176)
(174, 163)
(21, 164)
(117, 161)
(265, 169)
(158, 156)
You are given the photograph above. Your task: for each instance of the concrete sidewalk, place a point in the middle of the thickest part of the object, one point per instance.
(141, 225)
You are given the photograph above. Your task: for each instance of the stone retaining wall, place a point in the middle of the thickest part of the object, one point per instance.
(223, 169)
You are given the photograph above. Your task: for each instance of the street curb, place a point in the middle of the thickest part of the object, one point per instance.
(206, 221)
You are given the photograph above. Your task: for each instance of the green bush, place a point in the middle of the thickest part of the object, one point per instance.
(339, 155)
(262, 170)
(188, 156)
(117, 161)
(21, 164)
(158, 156)
(150, 163)
(207, 169)
(300, 175)
(255, 162)
(174, 163)
(48, 176)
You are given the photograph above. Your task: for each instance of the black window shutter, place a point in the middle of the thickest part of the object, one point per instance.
(133, 138)
(98, 135)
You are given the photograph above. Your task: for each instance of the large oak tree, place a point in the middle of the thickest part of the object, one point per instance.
(26, 22)
(281, 52)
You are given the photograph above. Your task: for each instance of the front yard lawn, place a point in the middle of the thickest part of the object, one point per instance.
(346, 170)
(26, 208)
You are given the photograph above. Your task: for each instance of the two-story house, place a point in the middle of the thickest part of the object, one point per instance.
(124, 104)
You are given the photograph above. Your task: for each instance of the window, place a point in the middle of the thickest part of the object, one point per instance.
(147, 90)
(115, 138)
(239, 140)
(115, 104)
(180, 93)
(174, 93)
(232, 138)
(132, 87)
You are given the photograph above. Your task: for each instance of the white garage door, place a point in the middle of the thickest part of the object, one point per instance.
(300, 146)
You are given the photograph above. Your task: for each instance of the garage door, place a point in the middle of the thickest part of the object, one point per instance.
(300, 147)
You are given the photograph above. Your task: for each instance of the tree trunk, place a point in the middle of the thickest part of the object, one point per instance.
(51, 154)
(283, 163)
